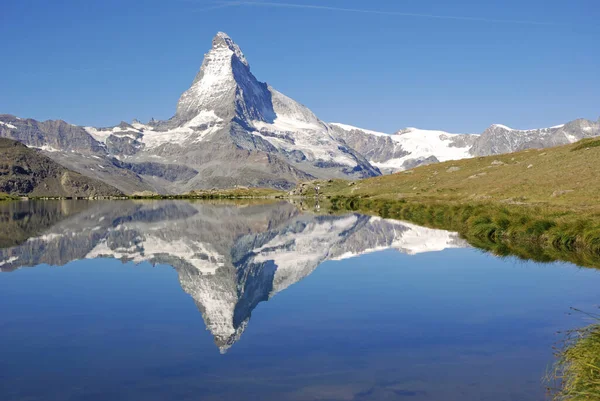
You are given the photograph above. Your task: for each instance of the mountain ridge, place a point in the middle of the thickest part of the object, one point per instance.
(229, 129)
(26, 172)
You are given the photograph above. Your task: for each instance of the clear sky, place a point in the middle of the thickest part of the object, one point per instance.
(441, 64)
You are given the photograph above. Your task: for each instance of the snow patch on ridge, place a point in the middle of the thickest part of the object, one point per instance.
(147, 135)
(347, 127)
(102, 134)
(296, 129)
(9, 125)
(502, 126)
(425, 143)
(180, 135)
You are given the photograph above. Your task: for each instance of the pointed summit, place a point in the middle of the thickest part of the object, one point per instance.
(226, 87)
(221, 39)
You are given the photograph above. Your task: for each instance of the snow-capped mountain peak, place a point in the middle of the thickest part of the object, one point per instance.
(226, 86)
(222, 39)
(501, 127)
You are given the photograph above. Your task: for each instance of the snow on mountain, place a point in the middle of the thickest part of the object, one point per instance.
(8, 125)
(406, 148)
(225, 86)
(194, 130)
(296, 130)
(411, 147)
(502, 127)
(426, 143)
(502, 139)
(351, 128)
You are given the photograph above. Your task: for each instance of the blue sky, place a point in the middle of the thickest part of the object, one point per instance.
(453, 65)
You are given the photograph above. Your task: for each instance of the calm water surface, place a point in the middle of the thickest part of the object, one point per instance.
(191, 301)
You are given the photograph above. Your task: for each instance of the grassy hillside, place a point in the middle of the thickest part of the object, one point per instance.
(4, 196)
(536, 204)
(562, 176)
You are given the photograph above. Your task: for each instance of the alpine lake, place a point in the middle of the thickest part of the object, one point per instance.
(180, 300)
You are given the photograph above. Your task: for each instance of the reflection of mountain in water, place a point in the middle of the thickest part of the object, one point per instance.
(228, 258)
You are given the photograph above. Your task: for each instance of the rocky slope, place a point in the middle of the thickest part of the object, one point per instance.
(412, 147)
(407, 148)
(26, 172)
(228, 258)
(231, 129)
(499, 139)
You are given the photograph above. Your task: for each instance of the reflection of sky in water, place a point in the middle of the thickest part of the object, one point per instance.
(450, 325)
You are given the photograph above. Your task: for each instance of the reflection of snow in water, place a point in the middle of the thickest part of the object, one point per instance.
(228, 258)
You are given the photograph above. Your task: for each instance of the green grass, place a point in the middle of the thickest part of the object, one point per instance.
(576, 374)
(586, 144)
(537, 204)
(530, 232)
(560, 176)
(233, 193)
(6, 197)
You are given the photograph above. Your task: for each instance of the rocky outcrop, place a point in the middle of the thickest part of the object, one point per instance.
(26, 172)
(499, 139)
(407, 148)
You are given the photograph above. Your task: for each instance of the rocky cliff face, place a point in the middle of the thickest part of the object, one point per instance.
(26, 172)
(502, 139)
(226, 87)
(407, 148)
(229, 259)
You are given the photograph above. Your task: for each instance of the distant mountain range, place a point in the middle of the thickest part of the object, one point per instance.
(231, 129)
(228, 258)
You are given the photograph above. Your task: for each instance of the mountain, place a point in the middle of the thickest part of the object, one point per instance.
(407, 148)
(499, 139)
(25, 171)
(74, 148)
(231, 129)
(412, 147)
(228, 258)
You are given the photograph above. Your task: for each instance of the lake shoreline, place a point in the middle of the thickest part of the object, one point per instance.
(542, 232)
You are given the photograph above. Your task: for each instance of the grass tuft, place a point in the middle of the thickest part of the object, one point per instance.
(586, 144)
(576, 374)
(525, 231)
